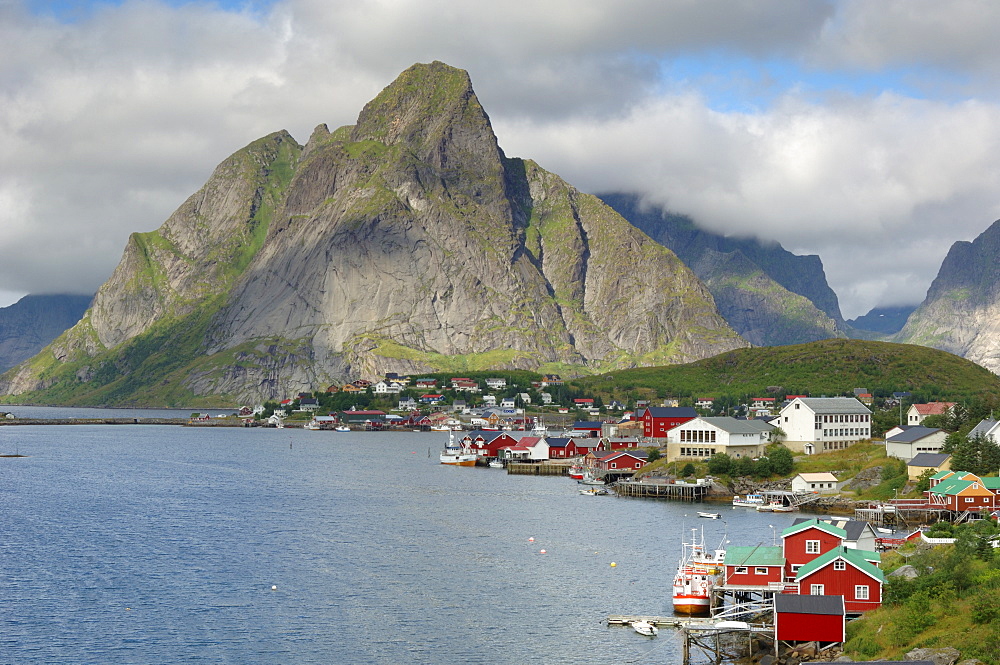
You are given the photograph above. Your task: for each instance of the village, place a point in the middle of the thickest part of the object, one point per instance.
(818, 574)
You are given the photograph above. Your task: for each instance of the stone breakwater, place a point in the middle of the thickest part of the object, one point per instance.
(228, 422)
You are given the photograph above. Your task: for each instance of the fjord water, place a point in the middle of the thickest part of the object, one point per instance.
(161, 544)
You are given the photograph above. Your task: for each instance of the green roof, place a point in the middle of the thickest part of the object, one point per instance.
(992, 483)
(860, 559)
(755, 556)
(941, 474)
(822, 526)
(952, 486)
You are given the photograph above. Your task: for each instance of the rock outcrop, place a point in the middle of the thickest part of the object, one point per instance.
(961, 313)
(402, 243)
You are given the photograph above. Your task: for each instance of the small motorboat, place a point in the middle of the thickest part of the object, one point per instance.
(644, 628)
(495, 464)
(710, 516)
(594, 491)
(342, 428)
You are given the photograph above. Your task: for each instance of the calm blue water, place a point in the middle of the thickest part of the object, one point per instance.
(159, 544)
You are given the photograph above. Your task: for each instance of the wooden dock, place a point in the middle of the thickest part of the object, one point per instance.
(665, 490)
(541, 469)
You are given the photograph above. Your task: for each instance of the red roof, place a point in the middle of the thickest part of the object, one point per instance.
(933, 408)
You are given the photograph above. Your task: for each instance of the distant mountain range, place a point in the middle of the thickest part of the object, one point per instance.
(409, 242)
(28, 325)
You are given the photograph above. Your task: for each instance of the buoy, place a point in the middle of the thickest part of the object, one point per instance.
(531, 540)
(613, 564)
(542, 552)
(274, 587)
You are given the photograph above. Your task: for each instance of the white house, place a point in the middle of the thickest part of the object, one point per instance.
(912, 441)
(387, 388)
(824, 483)
(489, 400)
(918, 412)
(818, 424)
(507, 403)
(988, 428)
(703, 437)
(546, 398)
(496, 383)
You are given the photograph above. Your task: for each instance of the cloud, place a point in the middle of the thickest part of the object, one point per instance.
(109, 121)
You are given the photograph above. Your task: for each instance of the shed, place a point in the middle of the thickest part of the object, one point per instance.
(823, 483)
(809, 618)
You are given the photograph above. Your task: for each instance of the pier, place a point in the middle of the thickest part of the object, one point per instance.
(542, 469)
(661, 489)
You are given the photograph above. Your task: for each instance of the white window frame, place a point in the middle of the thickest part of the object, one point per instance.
(740, 570)
(839, 564)
(860, 592)
(760, 570)
(812, 547)
(816, 589)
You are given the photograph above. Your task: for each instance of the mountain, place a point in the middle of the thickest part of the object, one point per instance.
(34, 321)
(407, 242)
(767, 294)
(883, 320)
(961, 312)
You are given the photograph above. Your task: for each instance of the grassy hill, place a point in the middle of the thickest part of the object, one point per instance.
(827, 367)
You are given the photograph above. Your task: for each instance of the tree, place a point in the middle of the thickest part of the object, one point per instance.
(720, 464)
(688, 470)
(653, 454)
(782, 461)
(778, 435)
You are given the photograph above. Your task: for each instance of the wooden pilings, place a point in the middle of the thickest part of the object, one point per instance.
(682, 491)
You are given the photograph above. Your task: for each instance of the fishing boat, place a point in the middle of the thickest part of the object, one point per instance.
(590, 479)
(341, 428)
(495, 464)
(696, 576)
(710, 516)
(594, 491)
(576, 471)
(454, 456)
(644, 628)
(748, 500)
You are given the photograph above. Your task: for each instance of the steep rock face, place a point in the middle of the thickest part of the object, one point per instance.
(389, 245)
(767, 294)
(34, 321)
(961, 313)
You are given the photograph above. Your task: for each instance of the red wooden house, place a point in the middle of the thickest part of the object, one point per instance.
(962, 491)
(852, 574)
(619, 460)
(561, 447)
(658, 420)
(803, 542)
(810, 618)
(620, 444)
(755, 567)
(588, 445)
(486, 444)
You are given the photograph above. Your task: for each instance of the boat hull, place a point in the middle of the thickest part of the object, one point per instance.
(692, 605)
(460, 462)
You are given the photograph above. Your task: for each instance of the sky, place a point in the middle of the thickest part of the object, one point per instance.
(864, 131)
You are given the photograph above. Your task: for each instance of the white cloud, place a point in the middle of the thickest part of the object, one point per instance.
(109, 123)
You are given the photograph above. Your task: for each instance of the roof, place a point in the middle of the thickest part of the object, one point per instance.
(853, 528)
(734, 426)
(588, 424)
(796, 604)
(912, 434)
(984, 427)
(822, 526)
(933, 408)
(944, 473)
(929, 460)
(672, 411)
(818, 477)
(755, 556)
(857, 558)
(954, 485)
(833, 405)
(558, 441)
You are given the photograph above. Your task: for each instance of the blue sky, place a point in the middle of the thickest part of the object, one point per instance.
(864, 131)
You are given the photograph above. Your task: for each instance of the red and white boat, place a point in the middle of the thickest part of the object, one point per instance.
(576, 471)
(696, 575)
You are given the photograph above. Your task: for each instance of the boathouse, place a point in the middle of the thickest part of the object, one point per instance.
(804, 542)
(754, 568)
(820, 618)
(853, 574)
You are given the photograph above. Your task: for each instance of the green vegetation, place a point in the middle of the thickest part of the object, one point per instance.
(952, 601)
(828, 367)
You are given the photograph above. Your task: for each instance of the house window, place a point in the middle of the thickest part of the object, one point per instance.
(970, 499)
(740, 570)
(815, 589)
(614, 465)
(839, 565)
(812, 547)
(795, 568)
(860, 592)
(760, 570)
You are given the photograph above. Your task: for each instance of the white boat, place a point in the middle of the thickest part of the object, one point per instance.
(495, 464)
(748, 500)
(312, 424)
(594, 491)
(711, 516)
(590, 479)
(696, 576)
(775, 507)
(440, 428)
(454, 455)
(644, 628)
(341, 428)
